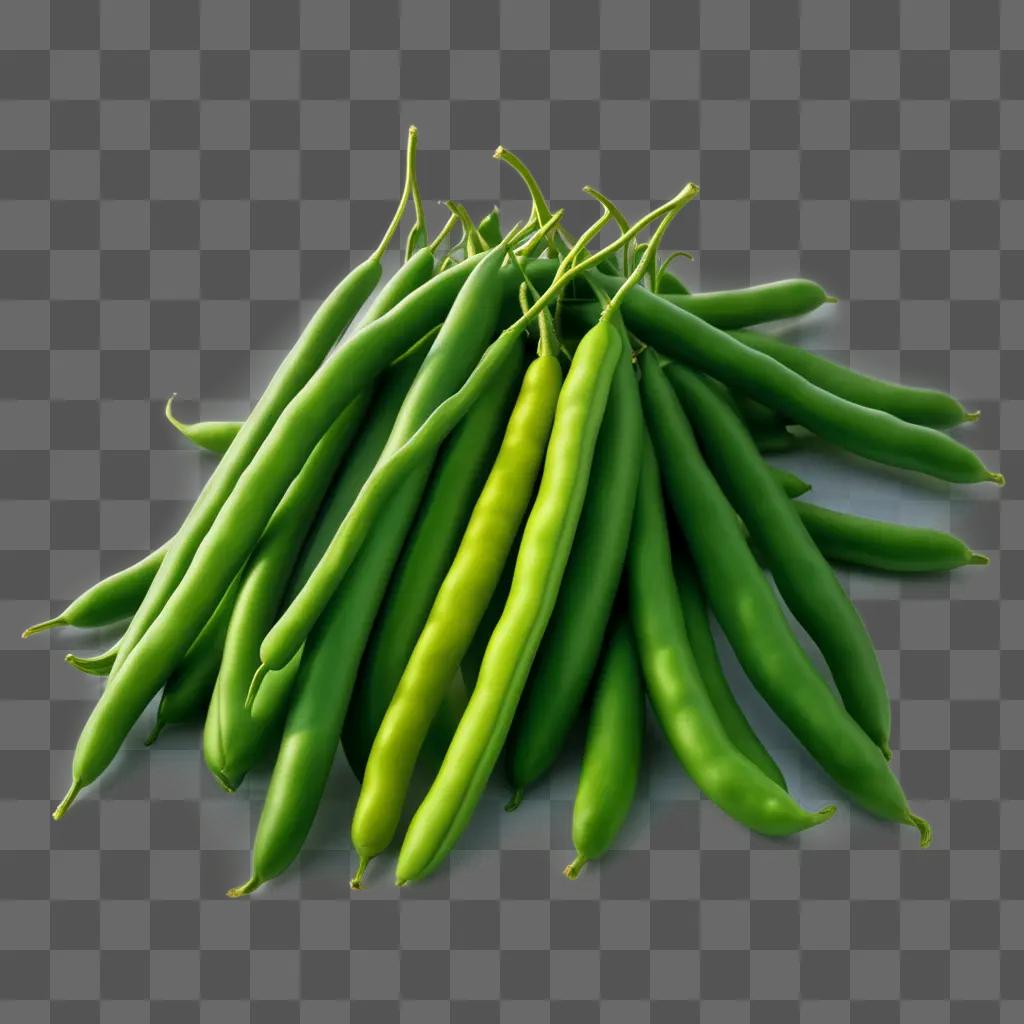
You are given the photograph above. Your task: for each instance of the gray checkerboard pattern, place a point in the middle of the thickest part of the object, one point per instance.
(179, 184)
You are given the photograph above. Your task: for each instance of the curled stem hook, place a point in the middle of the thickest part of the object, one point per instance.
(403, 200)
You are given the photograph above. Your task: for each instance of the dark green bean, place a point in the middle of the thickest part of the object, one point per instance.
(674, 685)
(871, 433)
(889, 547)
(187, 691)
(745, 606)
(806, 581)
(915, 405)
(705, 655)
(611, 758)
(235, 737)
(110, 600)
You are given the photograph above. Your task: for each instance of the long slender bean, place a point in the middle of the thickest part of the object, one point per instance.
(868, 432)
(674, 685)
(807, 582)
(926, 406)
(110, 600)
(745, 606)
(611, 758)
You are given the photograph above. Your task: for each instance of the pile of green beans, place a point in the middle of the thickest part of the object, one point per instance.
(446, 536)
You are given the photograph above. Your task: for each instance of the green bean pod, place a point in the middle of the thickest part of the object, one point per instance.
(871, 433)
(676, 690)
(462, 467)
(709, 668)
(489, 228)
(807, 582)
(95, 665)
(745, 606)
(321, 692)
(234, 527)
(925, 406)
(773, 442)
(614, 748)
(889, 547)
(727, 310)
(572, 643)
(235, 734)
(464, 596)
(211, 435)
(110, 600)
(547, 540)
(187, 691)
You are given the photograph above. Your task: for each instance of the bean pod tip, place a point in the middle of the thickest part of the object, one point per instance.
(515, 800)
(243, 890)
(572, 871)
(69, 798)
(39, 627)
(923, 827)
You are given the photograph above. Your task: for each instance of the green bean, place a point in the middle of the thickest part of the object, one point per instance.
(489, 228)
(543, 554)
(462, 467)
(97, 665)
(237, 524)
(889, 547)
(110, 600)
(709, 668)
(611, 758)
(210, 435)
(572, 643)
(236, 736)
(915, 405)
(745, 606)
(676, 690)
(727, 310)
(774, 442)
(330, 661)
(455, 616)
(262, 587)
(188, 689)
(806, 581)
(868, 432)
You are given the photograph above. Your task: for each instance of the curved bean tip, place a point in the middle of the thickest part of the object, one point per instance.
(923, 827)
(978, 559)
(997, 478)
(824, 814)
(356, 882)
(158, 727)
(401, 881)
(572, 871)
(69, 798)
(515, 800)
(831, 299)
(254, 686)
(972, 417)
(886, 751)
(243, 890)
(39, 627)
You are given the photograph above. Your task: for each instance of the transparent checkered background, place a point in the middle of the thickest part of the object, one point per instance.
(180, 183)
